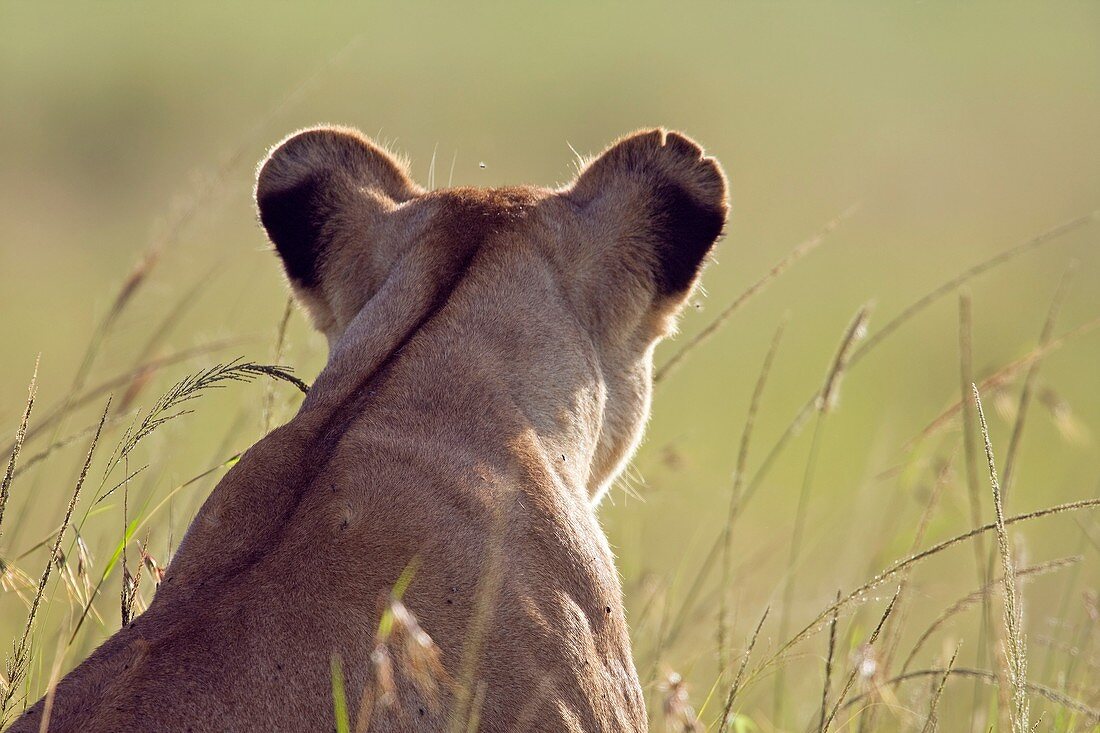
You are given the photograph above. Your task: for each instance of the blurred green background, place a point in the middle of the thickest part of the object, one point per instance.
(959, 129)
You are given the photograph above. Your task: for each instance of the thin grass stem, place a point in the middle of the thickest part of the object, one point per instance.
(17, 663)
(1059, 698)
(855, 667)
(1026, 392)
(777, 269)
(860, 592)
(983, 592)
(829, 666)
(931, 723)
(1016, 651)
(17, 446)
(738, 679)
(735, 495)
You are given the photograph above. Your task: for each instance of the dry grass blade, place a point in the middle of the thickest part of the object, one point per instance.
(829, 666)
(727, 710)
(171, 403)
(137, 527)
(130, 285)
(51, 690)
(855, 668)
(20, 436)
(873, 341)
(1059, 698)
(163, 329)
(973, 485)
(735, 494)
(744, 495)
(168, 407)
(857, 329)
(982, 593)
(911, 560)
(1016, 651)
(931, 723)
(1021, 412)
(1027, 390)
(1002, 376)
(777, 269)
(179, 219)
(68, 440)
(280, 343)
(897, 624)
(131, 582)
(824, 404)
(959, 280)
(17, 663)
(105, 387)
(134, 279)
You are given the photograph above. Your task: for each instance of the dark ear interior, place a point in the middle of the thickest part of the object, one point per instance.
(685, 228)
(660, 189)
(310, 180)
(294, 219)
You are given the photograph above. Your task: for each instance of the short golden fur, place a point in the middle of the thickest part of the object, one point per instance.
(488, 377)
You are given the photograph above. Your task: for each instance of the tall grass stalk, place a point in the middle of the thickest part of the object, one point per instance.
(70, 439)
(974, 492)
(1016, 436)
(896, 624)
(861, 592)
(1091, 714)
(827, 684)
(18, 661)
(163, 329)
(856, 667)
(932, 723)
(982, 594)
(735, 496)
(110, 384)
(777, 269)
(20, 436)
(1069, 587)
(826, 402)
(339, 697)
(1015, 641)
(1028, 388)
(952, 285)
(1050, 235)
(1002, 376)
(277, 358)
(739, 678)
(171, 405)
(805, 411)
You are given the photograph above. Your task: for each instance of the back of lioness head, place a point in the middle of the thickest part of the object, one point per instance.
(622, 245)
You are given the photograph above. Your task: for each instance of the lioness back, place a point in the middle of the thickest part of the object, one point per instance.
(426, 523)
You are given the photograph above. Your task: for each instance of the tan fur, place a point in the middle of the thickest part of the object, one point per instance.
(488, 377)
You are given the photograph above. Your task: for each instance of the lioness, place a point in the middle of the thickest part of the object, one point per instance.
(488, 377)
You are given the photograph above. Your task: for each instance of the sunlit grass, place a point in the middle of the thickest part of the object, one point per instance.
(856, 664)
(969, 146)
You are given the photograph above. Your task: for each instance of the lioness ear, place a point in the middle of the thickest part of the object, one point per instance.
(658, 191)
(318, 180)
